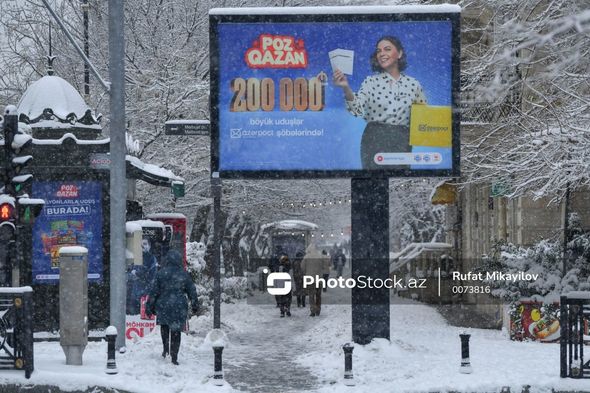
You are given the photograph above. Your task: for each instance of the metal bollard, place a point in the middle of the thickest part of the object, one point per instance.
(217, 368)
(111, 335)
(348, 377)
(465, 364)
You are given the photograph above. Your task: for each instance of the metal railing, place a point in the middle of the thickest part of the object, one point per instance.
(16, 329)
(574, 316)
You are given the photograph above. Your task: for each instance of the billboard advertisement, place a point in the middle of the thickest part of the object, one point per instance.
(72, 216)
(349, 94)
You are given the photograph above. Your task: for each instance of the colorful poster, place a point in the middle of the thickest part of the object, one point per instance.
(72, 216)
(534, 321)
(284, 95)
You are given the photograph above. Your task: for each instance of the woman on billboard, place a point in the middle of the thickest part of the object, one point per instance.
(384, 100)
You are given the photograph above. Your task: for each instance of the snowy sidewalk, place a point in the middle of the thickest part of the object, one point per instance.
(300, 354)
(263, 352)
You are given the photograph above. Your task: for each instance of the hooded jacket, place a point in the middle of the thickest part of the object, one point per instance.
(169, 293)
(314, 263)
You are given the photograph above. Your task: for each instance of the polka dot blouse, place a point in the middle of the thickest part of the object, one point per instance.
(383, 99)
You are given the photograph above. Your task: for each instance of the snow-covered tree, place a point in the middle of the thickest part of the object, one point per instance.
(525, 72)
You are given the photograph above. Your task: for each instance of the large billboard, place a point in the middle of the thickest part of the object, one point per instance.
(335, 91)
(72, 216)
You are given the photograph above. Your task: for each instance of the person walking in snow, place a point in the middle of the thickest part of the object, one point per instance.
(168, 300)
(340, 261)
(298, 279)
(285, 300)
(326, 274)
(315, 264)
(274, 265)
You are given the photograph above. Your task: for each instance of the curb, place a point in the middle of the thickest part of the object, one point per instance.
(11, 388)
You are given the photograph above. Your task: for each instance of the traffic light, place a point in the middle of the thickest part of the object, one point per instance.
(14, 144)
(6, 212)
(7, 238)
(29, 209)
(25, 209)
(16, 208)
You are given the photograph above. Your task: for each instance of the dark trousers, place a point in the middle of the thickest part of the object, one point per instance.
(315, 300)
(384, 138)
(285, 302)
(170, 341)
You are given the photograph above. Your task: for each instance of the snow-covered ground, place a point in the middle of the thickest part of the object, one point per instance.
(267, 353)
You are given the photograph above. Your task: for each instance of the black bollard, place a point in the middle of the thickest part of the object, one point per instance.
(348, 377)
(217, 368)
(465, 364)
(111, 336)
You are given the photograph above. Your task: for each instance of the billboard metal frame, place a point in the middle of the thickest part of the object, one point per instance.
(323, 15)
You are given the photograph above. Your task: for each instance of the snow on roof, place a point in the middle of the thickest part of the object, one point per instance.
(400, 9)
(291, 225)
(70, 136)
(153, 169)
(412, 251)
(53, 97)
(148, 224)
(157, 216)
(61, 125)
(187, 121)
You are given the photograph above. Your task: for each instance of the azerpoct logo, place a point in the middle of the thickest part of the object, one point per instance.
(277, 51)
(278, 283)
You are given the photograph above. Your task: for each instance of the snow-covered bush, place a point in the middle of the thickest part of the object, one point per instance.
(544, 259)
(231, 287)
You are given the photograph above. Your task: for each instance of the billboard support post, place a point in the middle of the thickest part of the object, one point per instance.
(118, 182)
(216, 191)
(370, 257)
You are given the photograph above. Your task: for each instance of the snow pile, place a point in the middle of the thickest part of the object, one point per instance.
(424, 355)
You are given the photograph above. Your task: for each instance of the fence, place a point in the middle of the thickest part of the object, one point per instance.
(16, 329)
(574, 315)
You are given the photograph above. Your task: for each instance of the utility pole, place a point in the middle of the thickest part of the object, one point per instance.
(118, 185)
(86, 50)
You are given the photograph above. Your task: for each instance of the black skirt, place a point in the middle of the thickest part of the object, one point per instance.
(384, 138)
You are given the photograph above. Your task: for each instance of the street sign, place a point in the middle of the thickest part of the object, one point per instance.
(188, 127)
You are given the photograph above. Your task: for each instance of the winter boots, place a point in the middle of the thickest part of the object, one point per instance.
(170, 342)
(165, 333)
(174, 346)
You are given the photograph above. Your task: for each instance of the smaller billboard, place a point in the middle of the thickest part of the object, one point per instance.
(72, 216)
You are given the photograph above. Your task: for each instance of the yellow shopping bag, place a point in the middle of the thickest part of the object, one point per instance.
(431, 126)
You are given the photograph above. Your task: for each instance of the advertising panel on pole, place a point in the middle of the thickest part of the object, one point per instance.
(335, 91)
(72, 216)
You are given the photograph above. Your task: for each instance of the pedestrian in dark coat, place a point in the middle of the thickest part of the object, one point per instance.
(275, 264)
(285, 300)
(298, 279)
(168, 300)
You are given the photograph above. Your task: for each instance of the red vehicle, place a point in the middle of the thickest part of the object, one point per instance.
(177, 222)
